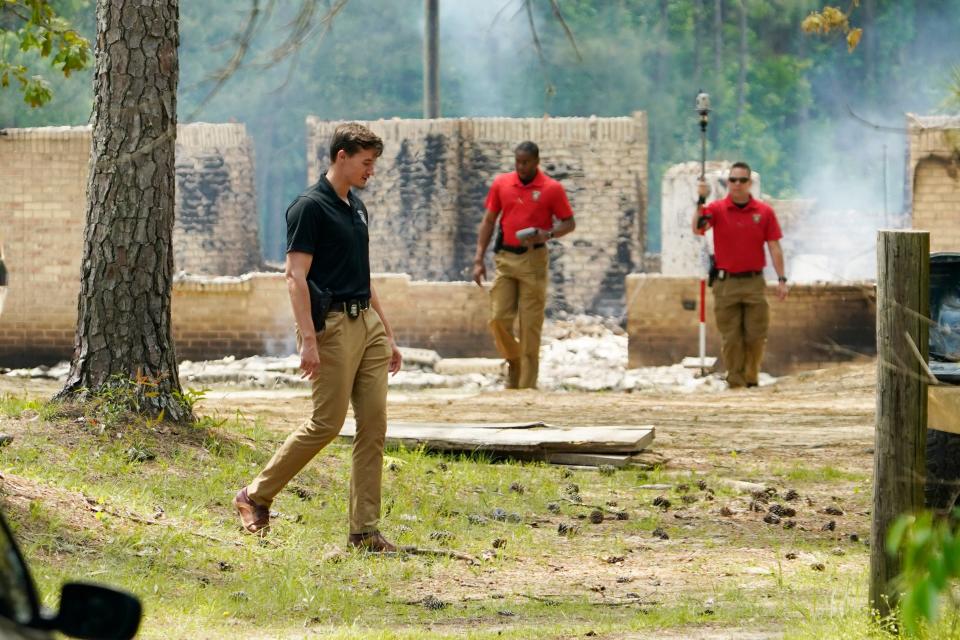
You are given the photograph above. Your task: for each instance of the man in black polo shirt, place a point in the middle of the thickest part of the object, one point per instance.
(328, 245)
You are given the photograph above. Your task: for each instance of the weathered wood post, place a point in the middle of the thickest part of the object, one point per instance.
(899, 459)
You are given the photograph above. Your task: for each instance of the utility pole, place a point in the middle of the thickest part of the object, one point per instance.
(431, 59)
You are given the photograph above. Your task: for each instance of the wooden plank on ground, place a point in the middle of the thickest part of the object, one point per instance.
(588, 459)
(350, 425)
(472, 437)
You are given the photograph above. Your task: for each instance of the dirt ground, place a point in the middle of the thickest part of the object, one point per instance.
(812, 432)
(816, 421)
(827, 414)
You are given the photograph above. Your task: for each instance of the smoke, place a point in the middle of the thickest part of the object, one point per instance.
(480, 43)
(854, 176)
(854, 166)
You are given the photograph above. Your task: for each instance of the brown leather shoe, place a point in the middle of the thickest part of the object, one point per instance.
(373, 542)
(253, 517)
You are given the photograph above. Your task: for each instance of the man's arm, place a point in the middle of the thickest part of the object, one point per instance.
(484, 233)
(295, 271)
(776, 254)
(701, 223)
(396, 359)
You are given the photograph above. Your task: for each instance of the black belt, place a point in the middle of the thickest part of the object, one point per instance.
(519, 250)
(740, 274)
(344, 306)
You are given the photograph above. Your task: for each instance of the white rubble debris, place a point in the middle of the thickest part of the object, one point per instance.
(579, 353)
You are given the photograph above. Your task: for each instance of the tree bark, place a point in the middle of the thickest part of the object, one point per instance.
(123, 324)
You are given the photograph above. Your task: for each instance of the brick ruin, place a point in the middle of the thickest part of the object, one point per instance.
(933, 178)
(426, 201)
(222, 310)
(427, 197)
(42, 206)
(216, 228)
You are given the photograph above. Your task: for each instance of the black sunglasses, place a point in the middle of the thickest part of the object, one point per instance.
(740, 180)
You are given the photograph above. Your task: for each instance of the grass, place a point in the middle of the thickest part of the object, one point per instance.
(146, 507)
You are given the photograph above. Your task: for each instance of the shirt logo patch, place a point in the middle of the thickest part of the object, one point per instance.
(363, 216)
(536, 196)
(756, 218)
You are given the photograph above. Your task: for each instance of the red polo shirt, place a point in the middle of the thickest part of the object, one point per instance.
(739, 233)
(527, 205)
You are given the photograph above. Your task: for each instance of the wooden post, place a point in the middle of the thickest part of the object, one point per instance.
(899, 459)
(431, 59)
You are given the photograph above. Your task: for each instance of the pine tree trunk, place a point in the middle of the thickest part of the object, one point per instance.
(698, 43)
(742, 74)
(123, 324)
(870, 42)
(714, 131)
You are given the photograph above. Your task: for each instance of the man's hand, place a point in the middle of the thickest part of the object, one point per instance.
(781, 291)
(479, 272)
(309, 359)
(396, 358)
(703, 189)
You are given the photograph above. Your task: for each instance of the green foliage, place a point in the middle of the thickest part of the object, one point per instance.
(190, 397)
(929, 549)
(636, 55)
(124, 401)
(13, 406)
(32, 29)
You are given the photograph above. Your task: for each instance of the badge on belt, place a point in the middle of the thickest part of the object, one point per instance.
(354, 310)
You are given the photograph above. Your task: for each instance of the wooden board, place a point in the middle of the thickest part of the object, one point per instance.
(514, 438)
(695, 362)
(587, 459)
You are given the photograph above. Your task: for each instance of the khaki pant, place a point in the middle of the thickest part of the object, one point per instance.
(354, 354)
(742, 313)
(519, 290)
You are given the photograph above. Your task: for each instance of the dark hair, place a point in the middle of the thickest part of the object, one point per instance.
(528, 147)
(740, 164)
(353, 137)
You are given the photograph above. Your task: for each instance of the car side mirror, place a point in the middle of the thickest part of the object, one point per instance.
(93, 612)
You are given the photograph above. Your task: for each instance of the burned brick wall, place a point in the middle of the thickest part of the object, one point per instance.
(216, 230)
(42, 205)
(427, 197)
(816, 326)
(933, 178)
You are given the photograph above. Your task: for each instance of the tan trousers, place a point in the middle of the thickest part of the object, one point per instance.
(743, 316)
(519, 290)
(354, 354)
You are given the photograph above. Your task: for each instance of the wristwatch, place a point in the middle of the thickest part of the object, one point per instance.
(782, 279)
(550, 235)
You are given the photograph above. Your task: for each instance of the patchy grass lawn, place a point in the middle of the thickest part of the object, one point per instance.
(679, 552)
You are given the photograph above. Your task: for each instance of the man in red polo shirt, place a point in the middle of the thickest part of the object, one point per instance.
(522, 199)
(741, 225)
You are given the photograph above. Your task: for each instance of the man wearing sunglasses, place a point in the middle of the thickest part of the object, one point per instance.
(741, 226)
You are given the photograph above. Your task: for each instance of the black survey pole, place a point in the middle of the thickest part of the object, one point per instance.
(703, 109)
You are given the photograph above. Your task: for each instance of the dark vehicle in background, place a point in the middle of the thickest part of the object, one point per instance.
(86, 610)
(943, 406)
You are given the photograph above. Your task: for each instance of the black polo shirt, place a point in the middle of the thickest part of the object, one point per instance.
(335, 234)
